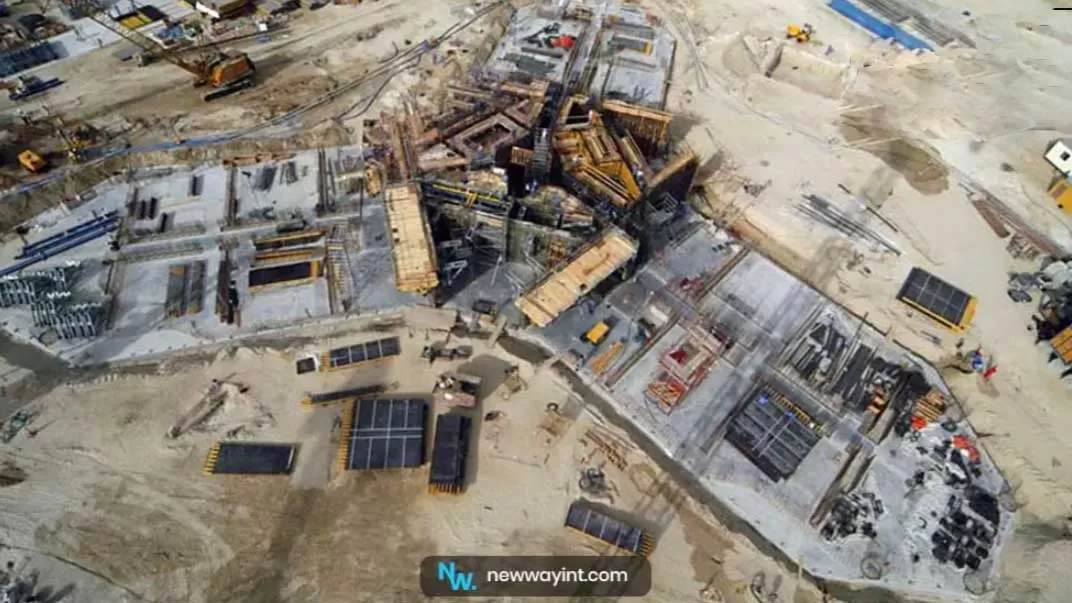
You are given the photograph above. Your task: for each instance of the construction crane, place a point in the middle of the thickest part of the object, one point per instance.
(225, 73)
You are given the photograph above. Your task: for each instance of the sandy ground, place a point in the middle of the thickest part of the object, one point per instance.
(319, 51)
(110, 508)
(905, 130)
(900, 128)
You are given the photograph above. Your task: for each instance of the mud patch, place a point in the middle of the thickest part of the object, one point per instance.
(524, 350)
(871, 131)
(123, 537)
(354, 541)
(709, 546)
(10, 475)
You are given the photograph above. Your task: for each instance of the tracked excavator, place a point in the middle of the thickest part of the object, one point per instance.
(226, 73)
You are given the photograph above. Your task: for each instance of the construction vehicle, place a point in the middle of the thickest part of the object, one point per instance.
(32, 161)
(14, 424)
(226, 73)
(597, 333)
(77, 139)
(799, 33)
(25, 86)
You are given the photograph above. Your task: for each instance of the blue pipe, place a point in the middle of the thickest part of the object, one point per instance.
(70, 243)
(880, 28)
(50, 249)
(33, 248)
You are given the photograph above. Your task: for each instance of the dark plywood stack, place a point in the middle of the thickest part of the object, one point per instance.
(942, 302)
(287, 274)
(246, 458)
(382, 433)
(450, 451)
(176, 284)
(341, 396)
(358, 354)
(773, 433)
(586, 519)
(185, 289)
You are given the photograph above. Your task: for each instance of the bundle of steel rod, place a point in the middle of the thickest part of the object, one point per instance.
(823, 211)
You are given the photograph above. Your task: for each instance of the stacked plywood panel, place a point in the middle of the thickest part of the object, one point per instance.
(411, 240)
(557, 292)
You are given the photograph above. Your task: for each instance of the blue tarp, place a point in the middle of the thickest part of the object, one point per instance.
(21, 59)
(886, 31)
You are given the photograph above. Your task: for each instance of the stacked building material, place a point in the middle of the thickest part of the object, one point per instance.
(449, 454)
(583, 517)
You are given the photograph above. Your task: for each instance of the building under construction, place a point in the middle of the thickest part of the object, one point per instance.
(538, 172)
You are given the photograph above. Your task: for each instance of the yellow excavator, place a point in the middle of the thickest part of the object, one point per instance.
(225, 73)
(800, 33)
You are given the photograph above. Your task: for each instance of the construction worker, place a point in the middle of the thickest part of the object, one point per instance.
(989, 372)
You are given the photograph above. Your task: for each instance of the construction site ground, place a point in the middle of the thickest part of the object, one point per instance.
(903, 129)
(110, 509)
(316, 53)
(907, 131)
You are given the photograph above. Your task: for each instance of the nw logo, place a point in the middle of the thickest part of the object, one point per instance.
(459, 581)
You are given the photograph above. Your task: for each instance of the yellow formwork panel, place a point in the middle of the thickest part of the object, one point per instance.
(969, 314)
(134, 21)
(647, 543)
(440, 489)
(213, 455)
(342, 454)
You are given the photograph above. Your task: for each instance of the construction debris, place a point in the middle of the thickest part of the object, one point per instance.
(457, 389)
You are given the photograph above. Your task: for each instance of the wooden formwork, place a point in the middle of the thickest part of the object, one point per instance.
(557, 292)
(411, 240)
(346, 426)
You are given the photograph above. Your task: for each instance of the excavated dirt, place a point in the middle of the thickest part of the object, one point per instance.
(871, 132)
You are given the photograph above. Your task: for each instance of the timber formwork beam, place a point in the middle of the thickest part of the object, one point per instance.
(511, 133)
(441, 164)
(631, 152)
(606, 187)
(676, 166)
(650, 128)
(526, 112)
